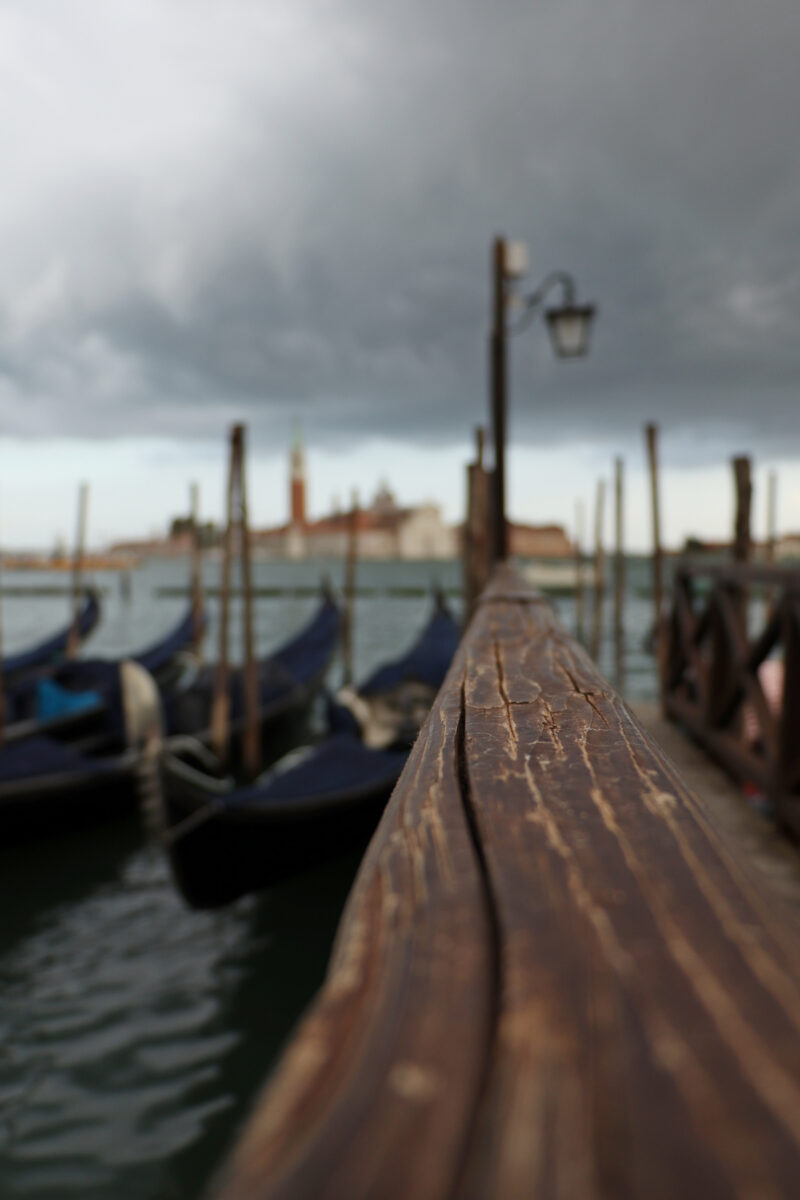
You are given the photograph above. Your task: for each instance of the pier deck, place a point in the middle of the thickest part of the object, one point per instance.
(753, 837)
(555, 976)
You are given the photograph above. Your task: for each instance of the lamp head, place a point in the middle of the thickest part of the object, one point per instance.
(570, 327)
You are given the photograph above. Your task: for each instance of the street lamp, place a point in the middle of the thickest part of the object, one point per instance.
(569, 325)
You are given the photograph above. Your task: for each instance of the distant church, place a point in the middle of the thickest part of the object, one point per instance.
(385, 531)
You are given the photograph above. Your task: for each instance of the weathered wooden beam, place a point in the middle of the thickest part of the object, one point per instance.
(376, 1093)
(553, 978)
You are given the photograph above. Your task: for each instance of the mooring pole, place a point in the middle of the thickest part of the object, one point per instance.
(619, 572)
(2, 681)
(251, 741)
(770, 544)
(772, 516)
(599, 569)
(742, 476)
(220, 707)
(77, 565)
(651, 434)
(497, 359)
(580, 533)
(350, 563)
(196, 570)
(477, 534)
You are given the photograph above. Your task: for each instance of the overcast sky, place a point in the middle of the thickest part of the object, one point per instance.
(281, 212)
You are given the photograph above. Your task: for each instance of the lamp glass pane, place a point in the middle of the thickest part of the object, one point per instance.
(569, 330)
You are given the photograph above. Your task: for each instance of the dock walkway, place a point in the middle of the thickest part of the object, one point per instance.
(555, 977)
(754, 838)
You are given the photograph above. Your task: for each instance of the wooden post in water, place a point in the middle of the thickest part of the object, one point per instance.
(742, 544)
(497, 368)
(651, 435)
(77, 566)
(251, 742)
(196, 569)
(2, 681)
(220, 706)
(599, 570)
(580, 607)
(350, 563)
(619, 572)
(772, 532)
(476, 529)
(772, 517)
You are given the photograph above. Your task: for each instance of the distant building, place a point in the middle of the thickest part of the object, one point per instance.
(788, 546)
(539, 541)
(385, 530)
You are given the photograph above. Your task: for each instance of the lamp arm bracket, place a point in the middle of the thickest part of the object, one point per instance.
(533, 300)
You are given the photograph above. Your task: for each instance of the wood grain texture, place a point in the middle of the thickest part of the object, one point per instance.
(553, 978)
(376, 1093)
(648, 1041)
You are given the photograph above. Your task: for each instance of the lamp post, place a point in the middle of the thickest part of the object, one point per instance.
(569, 325)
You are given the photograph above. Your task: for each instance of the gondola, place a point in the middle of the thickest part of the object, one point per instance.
(72, 699)
(287, 682)
(95, 762)
(49, 785)
(53, 648)
(316, 804)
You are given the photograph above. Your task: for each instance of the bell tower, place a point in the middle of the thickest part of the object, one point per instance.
(297, 484)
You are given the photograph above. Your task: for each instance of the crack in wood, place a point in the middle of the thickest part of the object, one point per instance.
(501, 686)
(587, 695)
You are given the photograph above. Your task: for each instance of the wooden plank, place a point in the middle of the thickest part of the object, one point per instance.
(375, 1095)
(553, 979)
(743, 573)
(648, 1037)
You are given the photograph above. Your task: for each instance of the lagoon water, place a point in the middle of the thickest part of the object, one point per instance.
(134, 1034)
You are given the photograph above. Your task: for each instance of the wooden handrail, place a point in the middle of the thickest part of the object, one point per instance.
(740, 573)
(551, 979)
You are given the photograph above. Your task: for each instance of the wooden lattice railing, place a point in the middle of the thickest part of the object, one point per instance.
(731, 673)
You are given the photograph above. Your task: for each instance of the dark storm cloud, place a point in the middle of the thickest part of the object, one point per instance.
(290, 217)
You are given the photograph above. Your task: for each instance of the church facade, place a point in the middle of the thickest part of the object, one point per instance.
(385, 529)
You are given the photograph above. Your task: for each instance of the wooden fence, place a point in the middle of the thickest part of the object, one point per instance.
(731, 673)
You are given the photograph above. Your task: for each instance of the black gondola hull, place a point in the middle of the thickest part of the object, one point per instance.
(218, 855)
(49, 805)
